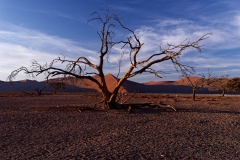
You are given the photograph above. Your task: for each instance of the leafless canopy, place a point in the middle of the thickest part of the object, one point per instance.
(202, 81)
(215, 83)
(78, 68)
(57, 85)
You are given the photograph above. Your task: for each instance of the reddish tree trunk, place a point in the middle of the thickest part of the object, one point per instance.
(109, 103)
(194, 94)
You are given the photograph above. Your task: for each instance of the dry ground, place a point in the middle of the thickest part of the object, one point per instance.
(58, 127)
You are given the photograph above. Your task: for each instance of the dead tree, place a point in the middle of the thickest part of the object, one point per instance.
(215, 83)
(39, 91)
(131, 46)
(195, 84)
(57, 85)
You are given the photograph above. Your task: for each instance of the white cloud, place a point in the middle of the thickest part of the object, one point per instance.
(236, 22)
(37, 40)
(226, 34)
(16, 56)
(60, 14)
(19, 54)
(173, 22)
(19, 46)
(122, 8)
(211, 61)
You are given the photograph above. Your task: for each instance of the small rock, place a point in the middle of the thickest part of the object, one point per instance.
(129, 110)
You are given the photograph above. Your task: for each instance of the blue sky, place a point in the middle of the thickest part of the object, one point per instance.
(43, 30)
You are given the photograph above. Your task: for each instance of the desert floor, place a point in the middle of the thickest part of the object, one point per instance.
(63, 127)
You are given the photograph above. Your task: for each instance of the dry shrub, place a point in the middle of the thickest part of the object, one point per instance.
(155, 96)
(172, 100)
(166, 95)
(137, 96)
(208, 102)
(202, 97)
(211, 99)
(157, 102)
(140, 96)
(165, 100)
(91, 95)
(152, 96)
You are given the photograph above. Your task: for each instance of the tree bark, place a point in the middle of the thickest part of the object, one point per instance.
(223, 92)
(194, 94)
(108, 102)
(111, 104)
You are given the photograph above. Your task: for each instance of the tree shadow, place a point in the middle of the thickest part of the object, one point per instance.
(198, 110)
(159, 108)
(135, 110)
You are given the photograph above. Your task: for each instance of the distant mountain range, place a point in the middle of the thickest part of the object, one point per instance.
(85, 85)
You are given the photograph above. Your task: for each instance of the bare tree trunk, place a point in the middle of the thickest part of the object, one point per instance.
(108, 102)
(111, 102)
(223, 92)
(194, 94)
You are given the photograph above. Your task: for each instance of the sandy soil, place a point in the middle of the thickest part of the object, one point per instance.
(58, 127)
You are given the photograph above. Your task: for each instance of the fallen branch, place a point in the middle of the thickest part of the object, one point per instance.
(129, 98)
